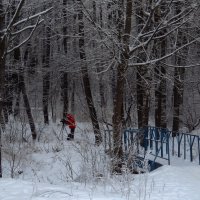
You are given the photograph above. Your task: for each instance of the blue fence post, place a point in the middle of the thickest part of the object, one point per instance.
(151, 137)
(191, 158)
(156, 139)
(167, 141)
(180, 137)
(199, 148)
(125, 141)
(131, 136)
(145, 132)
(179, 144)
(184, 146)
(161, 140)
(168, 149)
(137, 141)
(173, 145)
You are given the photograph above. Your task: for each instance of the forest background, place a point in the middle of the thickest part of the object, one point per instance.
(119, 63)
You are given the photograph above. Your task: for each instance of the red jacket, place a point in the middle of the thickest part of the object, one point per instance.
(70, 121)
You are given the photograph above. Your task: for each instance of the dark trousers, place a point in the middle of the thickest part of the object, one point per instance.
(71, 135)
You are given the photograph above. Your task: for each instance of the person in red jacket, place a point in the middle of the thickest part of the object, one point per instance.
(70, 121)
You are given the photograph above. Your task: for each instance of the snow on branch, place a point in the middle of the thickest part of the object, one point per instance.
(166, 56)
(9, 32)
(25, 29)
(175, 22)
(16, 14)
(32, 17)
(27, 39)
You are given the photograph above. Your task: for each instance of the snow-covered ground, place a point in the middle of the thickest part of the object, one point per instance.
(165, 183)
(53, 169)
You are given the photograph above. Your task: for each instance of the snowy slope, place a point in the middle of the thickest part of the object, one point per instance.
(165, 183)
(174, 183)
(55, 169)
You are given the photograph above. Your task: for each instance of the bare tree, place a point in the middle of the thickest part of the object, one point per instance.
(179, 74)
(8, 32)
(124, 30)
(85, 76)
(160, 74)
(65, 75)
(46, 76)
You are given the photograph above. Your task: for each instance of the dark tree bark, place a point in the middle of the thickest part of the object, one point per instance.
(17, 104)
(143, 96)
(22, 88)
(143, 88)
(113, 82)
(65, 95)
(2, 62)
(65, 75)
(160, 76)
(2, 71)
(179, 74)
(85, 76)
(11, 81)
(46, 76)
(100, 76)
(177, 96)
(160, 98)
(124, 29)
(27, 105)
(73, 97)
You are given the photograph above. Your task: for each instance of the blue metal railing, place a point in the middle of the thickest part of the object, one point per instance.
(159, 141)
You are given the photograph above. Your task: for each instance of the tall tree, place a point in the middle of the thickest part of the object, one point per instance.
(65, 74)
(85, 75)
(143, 73)
(179, 74)
(22, 89)
(124, 30)
(2, 59)
(8, 33)
(160, 73)
(2, 70)
(46, 75)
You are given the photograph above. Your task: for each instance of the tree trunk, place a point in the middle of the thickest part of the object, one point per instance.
(22, 88)
(64, 87)
(143, 96)
(27, 105)
(160, 98)
(177, 96)
(85, 76)
(179, 74)
(65, 75)
(100, 76)
(2, 63)
(2, 78)
(160, 74)
(73, 97)
(143, 77)
(117, 120)
(124, 29)
(17, 104)
(46, 76)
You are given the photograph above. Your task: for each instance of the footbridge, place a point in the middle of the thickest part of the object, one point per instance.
(157, 145)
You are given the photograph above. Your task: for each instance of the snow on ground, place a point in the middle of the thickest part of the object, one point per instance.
(64, 170)
(166, 183)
